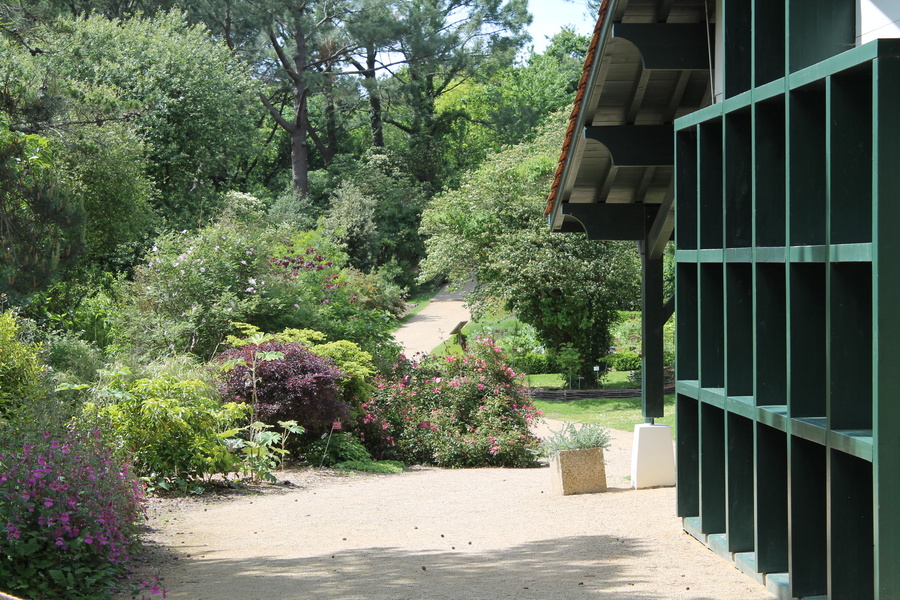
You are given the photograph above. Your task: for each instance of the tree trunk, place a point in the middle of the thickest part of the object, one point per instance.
(375, 118)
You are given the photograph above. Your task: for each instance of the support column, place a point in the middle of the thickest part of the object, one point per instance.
(652, 335)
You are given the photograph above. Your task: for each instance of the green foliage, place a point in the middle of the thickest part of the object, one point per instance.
(173, 430)
(21, 371)
(627, 339)
(570, 437)
(191, 100)
(371, 466)
(490, 230)
(334, 449)
(42, 216)
(455, 412)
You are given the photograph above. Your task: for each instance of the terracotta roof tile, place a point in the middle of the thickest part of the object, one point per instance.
(580, 97)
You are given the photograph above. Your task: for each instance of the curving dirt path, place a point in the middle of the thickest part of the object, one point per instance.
(438, 534)
(433, 324)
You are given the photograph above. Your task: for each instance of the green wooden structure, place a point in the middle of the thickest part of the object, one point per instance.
(783, 121)
(788, 290)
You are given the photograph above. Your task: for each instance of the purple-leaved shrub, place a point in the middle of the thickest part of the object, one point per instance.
(69, 513)
(299, 386)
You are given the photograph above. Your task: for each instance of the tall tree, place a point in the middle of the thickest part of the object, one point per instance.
(444, 43)
(490, 230)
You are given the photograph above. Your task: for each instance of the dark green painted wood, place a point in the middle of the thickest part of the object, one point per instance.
(686, 189)
(687, 342)
(712, 327)
(850, 528)
(667, 46)
(652, 395)
(602, 221)
(739, 477)
(819, 29)
(769, 173)
(738, 180)
(739, 329)
(687, 417)
(635, 145)
(807, 340)
(738, 42)
(770, 335)
(886, 183)
(850, 398)
(850, 186)
(768, 40)
(710, 184)
(712, 469)
(771, 516)
(807, 156)
(807, 518)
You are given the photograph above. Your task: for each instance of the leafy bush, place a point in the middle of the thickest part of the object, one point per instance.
(627, 336)
(21, 371)
(69, 513)
(299, 385)
(340, 448)
(454, 412)
(588, 435)
(625, 361)
(533, 363)
(174, 431)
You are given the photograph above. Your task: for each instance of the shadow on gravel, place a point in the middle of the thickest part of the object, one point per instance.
(557, 569)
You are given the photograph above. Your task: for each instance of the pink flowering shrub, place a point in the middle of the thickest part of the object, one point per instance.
(467, 411)
(68, 518)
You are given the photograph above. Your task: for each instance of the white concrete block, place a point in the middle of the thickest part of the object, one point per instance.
(652, 457)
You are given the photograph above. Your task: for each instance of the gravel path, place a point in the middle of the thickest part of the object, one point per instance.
(432, 533)
(433, 324)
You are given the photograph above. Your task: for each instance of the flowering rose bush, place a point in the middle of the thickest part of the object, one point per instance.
(68, 517)
(464, 411)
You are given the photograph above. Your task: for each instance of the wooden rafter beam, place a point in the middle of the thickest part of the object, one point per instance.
(612, 221)
(667, 46)
(637, 96)
(635, 145)
(663, 225)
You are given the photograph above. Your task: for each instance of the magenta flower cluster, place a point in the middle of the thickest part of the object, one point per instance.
(69, 513)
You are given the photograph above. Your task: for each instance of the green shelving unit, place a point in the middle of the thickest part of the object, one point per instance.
(788, 304)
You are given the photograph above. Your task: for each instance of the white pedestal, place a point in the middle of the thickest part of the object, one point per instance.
(652, 457)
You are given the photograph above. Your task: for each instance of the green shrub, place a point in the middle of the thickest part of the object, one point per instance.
(21, 371)
(340, 448)
(533, 363)
(73, 359)
(625, 361)
(174, 431)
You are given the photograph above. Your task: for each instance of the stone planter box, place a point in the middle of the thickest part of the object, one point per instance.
(578, 471)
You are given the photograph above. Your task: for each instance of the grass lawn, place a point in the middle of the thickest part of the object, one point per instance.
(614, 380)
(615, 413)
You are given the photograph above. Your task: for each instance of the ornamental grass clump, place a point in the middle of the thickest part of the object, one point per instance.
(68, 517)
(456, 411)
(570, 437)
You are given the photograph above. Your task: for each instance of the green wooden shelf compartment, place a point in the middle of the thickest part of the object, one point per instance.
(788, 288)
